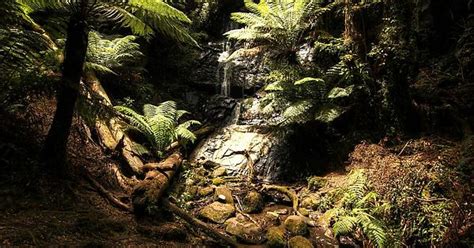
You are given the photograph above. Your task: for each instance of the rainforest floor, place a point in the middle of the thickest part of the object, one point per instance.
(38, 208)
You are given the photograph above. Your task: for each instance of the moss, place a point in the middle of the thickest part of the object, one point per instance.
(299, 242)
(296, 225)
(218, 181)
(253, 202)
(217, 212)
(315, 183)
(276, 237)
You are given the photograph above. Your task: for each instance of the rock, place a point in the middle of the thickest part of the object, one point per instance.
(303, 211)
(311, 201)
(315, 183)
(232, 146)
(191, 191)
(220, 171)
(281, 211)
(296, 225)
(273, 218)
(253, 202)
(218, 181)
(223, 194)
(205, 191)
(276, 237)
(244, 230)
(217, 212)
(299, 242)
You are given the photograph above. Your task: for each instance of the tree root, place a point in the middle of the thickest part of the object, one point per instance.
(105, 193)
(227, 240)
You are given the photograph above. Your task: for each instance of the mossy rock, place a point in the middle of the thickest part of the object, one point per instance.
(218, 181)
(223, 194)
(315, 183)
(244, 230)
(205, 191)
(310, 201)
(217, 212)
(220, 171)
(276, 237)
(296, 225)
(299, 242)
(303, 211)
(253, 202)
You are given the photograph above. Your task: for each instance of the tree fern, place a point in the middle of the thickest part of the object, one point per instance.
(160, 124)
(276, 24)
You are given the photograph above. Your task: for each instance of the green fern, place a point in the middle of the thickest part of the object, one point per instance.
(276, 24)
(107, 56)
(160, 124)
(356, 211)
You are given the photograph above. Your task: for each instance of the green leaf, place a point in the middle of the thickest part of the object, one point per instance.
(274, 87)
(309, 80)
(337, 92)
(328, 114)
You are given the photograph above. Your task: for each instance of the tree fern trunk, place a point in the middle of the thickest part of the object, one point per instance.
(54, 151)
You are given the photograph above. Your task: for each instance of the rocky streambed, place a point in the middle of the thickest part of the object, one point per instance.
(255, 212)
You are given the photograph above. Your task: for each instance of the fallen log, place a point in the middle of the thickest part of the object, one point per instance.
(149, 191)
(110, 132)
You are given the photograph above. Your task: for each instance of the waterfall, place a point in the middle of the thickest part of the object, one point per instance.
(227, 68)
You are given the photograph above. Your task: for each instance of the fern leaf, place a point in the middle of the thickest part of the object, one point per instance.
(309, 80)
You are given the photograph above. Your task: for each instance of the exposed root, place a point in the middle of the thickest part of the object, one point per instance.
(105, 193)
(223, 238)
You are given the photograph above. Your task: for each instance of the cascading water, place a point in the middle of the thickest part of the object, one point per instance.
(227, 69)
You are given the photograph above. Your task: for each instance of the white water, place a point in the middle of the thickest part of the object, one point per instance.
(227, 67)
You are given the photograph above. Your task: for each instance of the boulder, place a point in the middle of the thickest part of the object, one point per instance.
(299, 242)
(205, 191)
(235, 147)
(217, 212)
(223, 194)
(276, 237)
(310, 201)
(253, 202)
(315, 183)
(218, 172)
(244, 230)
(218, 181)
(296, 225)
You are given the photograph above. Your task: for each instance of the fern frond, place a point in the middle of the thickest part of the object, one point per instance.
(297, 112)
(345, 225)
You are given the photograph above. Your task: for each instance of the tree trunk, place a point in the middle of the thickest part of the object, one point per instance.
(54, 151)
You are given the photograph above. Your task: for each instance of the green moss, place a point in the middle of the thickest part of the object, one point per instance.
(315, 183)
(276, 237)
(299, 242)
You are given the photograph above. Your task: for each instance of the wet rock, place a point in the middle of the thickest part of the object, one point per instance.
(220, 171)
(296, 225)
(311, 201)
(315, 183)
(205, 191)
(299, 242)
(276, 237)
(223, 194)
(253, 202)
(217, 212)
(236, 146)
(218, 181)
(244, 230)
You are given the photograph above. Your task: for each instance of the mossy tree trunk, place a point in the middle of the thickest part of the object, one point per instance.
(54, 151)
